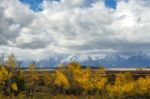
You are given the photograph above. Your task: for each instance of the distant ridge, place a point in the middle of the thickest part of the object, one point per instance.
(140, 59)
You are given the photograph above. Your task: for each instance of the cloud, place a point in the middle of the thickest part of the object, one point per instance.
(14, 17)
(71, 26)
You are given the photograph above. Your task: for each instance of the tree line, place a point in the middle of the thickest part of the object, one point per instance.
(70, 79)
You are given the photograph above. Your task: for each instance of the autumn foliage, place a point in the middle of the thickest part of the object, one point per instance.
(70, 79)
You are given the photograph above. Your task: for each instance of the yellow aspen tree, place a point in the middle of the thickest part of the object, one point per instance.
(148, 84)
(101, 83)
(124, 85)
(99, 80)
(129, 89)
(119, 82)
(11, 62)
(72, 72)
(141, 86)
(4, 75)
(110, 91)
(11, 65)
(82, 77)
(73, 67)
(61, 80)
(31, 78)
(14, 86)
(128, 85)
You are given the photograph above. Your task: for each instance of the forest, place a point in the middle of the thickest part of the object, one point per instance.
(69, 81)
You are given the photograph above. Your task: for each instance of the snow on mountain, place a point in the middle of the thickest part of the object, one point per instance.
(77, 57)
(95, 60)
(144, 53)
(140, 59)
(113, 60)
(84, 59)
(97, 57)
(50, 61)
(25, 63)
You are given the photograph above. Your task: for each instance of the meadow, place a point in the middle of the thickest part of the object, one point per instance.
(69, 82)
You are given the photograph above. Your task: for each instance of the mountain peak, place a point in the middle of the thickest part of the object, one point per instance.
(110, 60)
(112, 56)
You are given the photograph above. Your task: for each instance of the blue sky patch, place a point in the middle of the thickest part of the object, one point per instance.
(111, 3)
(35, 4)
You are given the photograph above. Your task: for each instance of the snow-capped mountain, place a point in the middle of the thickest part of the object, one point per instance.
(113, 60)
(50, 61)
(25, 63)
(44, 63)
(84, 59)
(141, 59)
(77, 57)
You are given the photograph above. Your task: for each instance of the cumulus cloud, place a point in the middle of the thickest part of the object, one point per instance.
(14, 17)
(71, 26)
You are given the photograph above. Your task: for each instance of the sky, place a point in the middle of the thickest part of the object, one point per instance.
(33, 29)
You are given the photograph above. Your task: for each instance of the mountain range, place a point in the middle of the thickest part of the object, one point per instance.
(140, 59)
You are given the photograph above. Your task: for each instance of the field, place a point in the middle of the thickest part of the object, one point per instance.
(72, 82)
